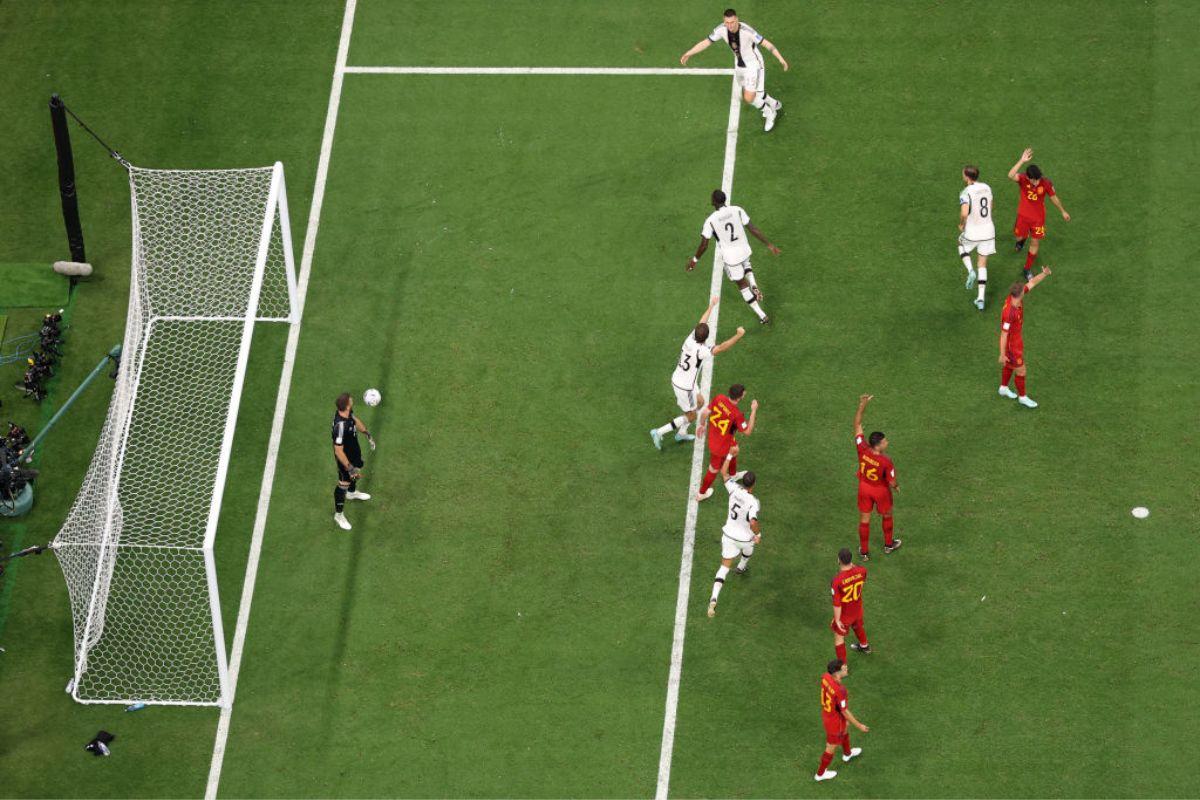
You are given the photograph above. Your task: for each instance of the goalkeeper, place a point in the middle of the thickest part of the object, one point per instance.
(347, 453)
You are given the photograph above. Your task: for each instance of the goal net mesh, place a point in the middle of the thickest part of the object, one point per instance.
(136, 547)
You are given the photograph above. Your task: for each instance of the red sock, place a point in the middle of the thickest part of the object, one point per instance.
(708, 481)
(733, 465)
(861, 633)
(1005, 375)
(1030, 257)
(864, 537)
(887, 532)
(826, 760)
(840, 649)
(846, 744)
(1021, 385)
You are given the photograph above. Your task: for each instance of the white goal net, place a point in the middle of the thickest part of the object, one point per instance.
(212, 255)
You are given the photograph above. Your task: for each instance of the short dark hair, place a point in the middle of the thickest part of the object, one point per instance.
(729, 12)
(736, 391)
(875, 438)
(1033, 172)
(845, 555)
(971, 171)
(1017, 289)
(701, 332)
(343, 401)
(835, 666)
(718, 197)
(748, 479)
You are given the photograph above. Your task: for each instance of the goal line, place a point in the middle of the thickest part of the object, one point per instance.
(679, 71)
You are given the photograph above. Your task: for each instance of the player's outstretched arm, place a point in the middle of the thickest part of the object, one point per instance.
(712, 303)
(730, 456)
(854, 720)
(691, 265)
(730, 342)
(775, 52)
(1026, 157)
(1054, 199)
(358, 423)
(696, 48)
(753, 417)
(762, 237)
(1036, 279)
(858, 415)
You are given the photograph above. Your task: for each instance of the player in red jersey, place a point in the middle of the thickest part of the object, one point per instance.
(1012, 346)
(1031, 211)
(876, 482)
(835, 714)
(724, 420)
(847, 589)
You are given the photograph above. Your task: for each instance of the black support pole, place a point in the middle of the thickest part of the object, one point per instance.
(66, 178)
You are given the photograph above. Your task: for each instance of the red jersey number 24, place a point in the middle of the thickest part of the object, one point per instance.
(719, 420)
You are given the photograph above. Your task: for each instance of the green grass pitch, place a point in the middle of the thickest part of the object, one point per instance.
(503, 257)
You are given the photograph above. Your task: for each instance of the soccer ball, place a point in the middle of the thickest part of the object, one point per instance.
(372, 397)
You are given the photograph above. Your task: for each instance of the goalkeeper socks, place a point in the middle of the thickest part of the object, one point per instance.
(339, 499)
(719, 581)
(965, 256)
(982, 280)
(1021, 385)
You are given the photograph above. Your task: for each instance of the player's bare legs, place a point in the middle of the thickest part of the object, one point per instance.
(748, 287)
(679, 425)
(719, 583)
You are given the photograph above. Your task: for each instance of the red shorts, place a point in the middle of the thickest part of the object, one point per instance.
(849, 623)
(1015, 354)
(1026, 227)
(835, 735)
(716, 459)
(872, 495)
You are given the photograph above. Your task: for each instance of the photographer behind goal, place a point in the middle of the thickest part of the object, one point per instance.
(346, 452)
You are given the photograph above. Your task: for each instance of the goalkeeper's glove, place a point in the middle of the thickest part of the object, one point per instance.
(355, 473)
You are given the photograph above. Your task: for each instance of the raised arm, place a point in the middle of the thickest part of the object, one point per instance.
(753, 416)
(858, 415)
(730, 342)
(750, 226)
(691, 265)
(766, 43)
(1036, 279)
(698, 47)
(712, 303)
(1026, 157)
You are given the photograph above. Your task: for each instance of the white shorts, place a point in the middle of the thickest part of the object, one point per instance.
(987, 247)
(752, 79)
(735, 272)
(732, 548)
(686, 398)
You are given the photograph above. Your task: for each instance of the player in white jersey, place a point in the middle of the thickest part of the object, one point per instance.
(741, 531)
(728, 225)
(748, 63)
(977, 231)
(686, 378)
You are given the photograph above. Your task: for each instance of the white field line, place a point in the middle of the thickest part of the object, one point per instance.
(535, 71)
(281, 400)
(698, 467)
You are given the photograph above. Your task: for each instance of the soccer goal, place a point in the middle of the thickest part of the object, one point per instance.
(212, 255)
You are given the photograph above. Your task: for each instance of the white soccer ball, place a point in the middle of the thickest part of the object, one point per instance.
(372, 397)
(1141, 512)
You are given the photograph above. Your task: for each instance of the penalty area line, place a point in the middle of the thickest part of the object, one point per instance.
(682, 71)
(698, 466)
(281, 401)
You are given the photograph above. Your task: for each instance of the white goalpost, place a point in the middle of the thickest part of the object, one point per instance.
(212, 255)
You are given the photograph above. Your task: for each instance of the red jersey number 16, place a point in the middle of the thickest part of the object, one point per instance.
(871, 474)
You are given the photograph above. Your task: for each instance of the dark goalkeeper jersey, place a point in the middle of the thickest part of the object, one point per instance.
(345, 433)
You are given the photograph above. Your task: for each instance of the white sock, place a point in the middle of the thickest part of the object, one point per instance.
(665, 429)
(965, 256)
(719, 582)
(745, 560)
(750, 279)
(757, 309)
(758, 101)
(748, 296)
(982, 281)
(680, 423)
(771, 102)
